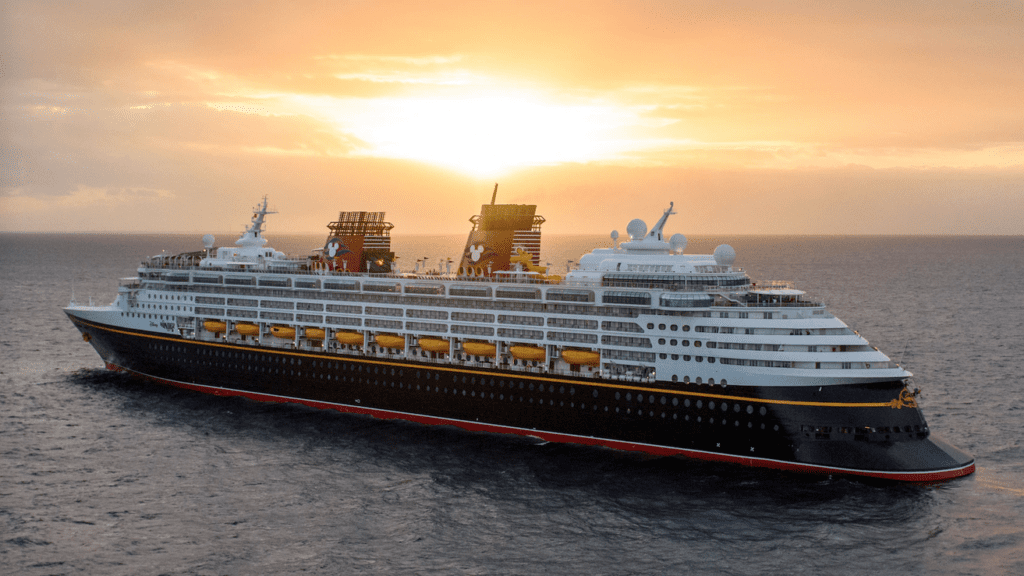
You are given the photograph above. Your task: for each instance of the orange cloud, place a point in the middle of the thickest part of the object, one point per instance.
(415, 104)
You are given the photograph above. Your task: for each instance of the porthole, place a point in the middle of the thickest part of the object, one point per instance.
(661, 326)
(661, 341)
(700, 404)
(595, 393)
(684, 342)
(725, 407)
(629, 396)
(750, 424)
(561, 389)
(675, 401)
(711, 381)
(673, 327)
(550, 388)
(750, 409)
(675, 379)
(696, 343)
(711, 405)
(724, 383)
(672, 342)
(686, 327)
(776, 428)
(762, 411)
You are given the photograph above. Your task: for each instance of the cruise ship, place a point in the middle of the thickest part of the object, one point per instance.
(640, 347)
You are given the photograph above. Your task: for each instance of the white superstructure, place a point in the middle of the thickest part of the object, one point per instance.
(642, 310)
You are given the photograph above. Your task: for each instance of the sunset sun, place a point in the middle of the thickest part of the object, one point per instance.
(482, 134)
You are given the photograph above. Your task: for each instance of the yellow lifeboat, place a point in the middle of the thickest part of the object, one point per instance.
(434, 345)
(283, 332)
(479, 348)
(315, 333)
(215, 326)
(390, 340)
(582, 357)
(528, 353)
(351, 338)
(246, 329)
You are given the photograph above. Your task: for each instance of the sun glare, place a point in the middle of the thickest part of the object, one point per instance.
(482, 134)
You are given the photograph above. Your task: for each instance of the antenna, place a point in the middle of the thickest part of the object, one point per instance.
(494, 195)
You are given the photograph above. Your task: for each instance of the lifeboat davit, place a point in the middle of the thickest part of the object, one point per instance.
(479, 348)
(435, 345)
(390, 340)
(246, 329)
(581, 357)
(283, 332)
(314, 333)
(351, 338)
(535, 353)
(215, 326)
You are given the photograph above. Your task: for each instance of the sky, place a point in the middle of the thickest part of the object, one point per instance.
(752, 117)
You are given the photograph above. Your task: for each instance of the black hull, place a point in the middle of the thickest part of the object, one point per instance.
(867, 430)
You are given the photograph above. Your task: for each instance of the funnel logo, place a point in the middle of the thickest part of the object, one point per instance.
(475, 252)
(478, 253)
(335, 247)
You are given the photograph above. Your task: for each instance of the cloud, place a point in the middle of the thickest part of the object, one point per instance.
(198, 101)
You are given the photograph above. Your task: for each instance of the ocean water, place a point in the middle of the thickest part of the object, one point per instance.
(104, 474)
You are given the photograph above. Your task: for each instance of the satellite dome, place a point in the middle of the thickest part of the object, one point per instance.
(615, 235)
(208, 241)
(677, 243)
(636, 229)
(725, 255)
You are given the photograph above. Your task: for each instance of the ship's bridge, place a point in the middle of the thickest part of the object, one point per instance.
(647, 259)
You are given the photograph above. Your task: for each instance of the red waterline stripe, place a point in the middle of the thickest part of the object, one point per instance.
(556, 437)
